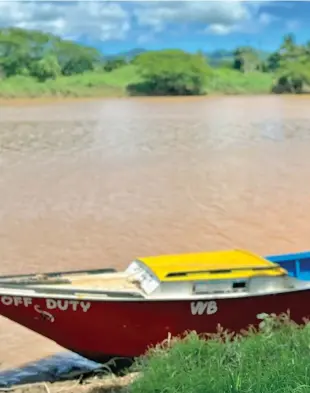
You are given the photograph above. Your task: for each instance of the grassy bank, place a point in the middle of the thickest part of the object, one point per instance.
(274, 360)
(114, 84)
(228, 81)
(38, 64)
(89, 84)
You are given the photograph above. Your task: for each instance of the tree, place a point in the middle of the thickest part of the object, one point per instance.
(19, 48)
(74, 58)
(273, 62)
(113, 64)
(29, 52)
(246, 59)
(171, 72)
(46, 68)
(291, 64)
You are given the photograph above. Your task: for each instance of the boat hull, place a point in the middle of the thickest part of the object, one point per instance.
(100, 329)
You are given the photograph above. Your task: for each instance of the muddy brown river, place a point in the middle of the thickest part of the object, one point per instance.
(96, 183)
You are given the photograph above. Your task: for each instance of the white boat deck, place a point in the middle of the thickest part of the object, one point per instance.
(141, 283)
(110, 281)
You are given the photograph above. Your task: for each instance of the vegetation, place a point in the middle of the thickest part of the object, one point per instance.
(35, 64)
(171, 72)
(88, 84)
(273, 360)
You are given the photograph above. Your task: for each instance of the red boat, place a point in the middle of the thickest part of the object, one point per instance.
(101, 314)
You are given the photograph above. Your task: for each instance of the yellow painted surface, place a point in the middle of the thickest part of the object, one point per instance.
(217, 265)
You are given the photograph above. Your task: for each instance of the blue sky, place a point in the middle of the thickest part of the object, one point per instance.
(115, 26)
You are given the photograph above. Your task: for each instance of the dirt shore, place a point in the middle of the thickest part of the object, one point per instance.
(28, 101)
(106, 384)
(37, 101)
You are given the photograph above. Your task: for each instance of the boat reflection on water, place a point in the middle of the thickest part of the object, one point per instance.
(59, 367)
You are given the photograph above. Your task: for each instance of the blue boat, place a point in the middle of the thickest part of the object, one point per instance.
(297, 264)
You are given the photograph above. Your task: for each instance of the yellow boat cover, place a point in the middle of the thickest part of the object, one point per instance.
(216, 265)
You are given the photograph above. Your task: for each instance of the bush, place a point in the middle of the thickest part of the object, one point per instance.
(170, 72)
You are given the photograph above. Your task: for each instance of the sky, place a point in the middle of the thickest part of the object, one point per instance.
(117, 26)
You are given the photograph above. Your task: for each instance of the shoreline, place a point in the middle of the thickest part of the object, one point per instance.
(29, 101)
(64, 372)
(55, 367)
(108, 383)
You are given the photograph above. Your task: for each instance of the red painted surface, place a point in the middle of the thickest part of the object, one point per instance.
(128, 328)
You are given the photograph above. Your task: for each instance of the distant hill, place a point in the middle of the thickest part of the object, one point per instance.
(214, 57)
(219, 56)
(128, 55)
(222, 55)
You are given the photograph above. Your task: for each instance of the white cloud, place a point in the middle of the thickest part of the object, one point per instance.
(215, 17)
(220, 14)
(106, 20)
(219, 29)
(96, 20)
(265, 19)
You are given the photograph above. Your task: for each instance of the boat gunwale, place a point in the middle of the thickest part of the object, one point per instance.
(288, 257)
(32, 289)
(59, 273)
(72, 290)
(103, 296)
(52, 274)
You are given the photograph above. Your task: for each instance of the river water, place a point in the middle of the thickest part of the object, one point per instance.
(94, 184)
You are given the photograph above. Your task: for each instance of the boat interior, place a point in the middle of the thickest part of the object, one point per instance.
(297, 265)
(275, 273)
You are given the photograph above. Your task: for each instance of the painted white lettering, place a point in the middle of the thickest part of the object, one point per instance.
(51, 304)
(44, 314)
(27, 301)
(74, 304)
(200, 308)
(63, 305)
(85, 306)
(7, 300)
(17, 300)
(212, 307)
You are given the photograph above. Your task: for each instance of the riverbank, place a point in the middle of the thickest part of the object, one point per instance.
(87, 85)
(271, 360)
(108, 384)
(115, 84)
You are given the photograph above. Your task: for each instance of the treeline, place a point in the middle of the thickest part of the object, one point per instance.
(44, 56)
(290, 64)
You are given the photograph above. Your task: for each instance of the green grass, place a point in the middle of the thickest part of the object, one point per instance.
(93, 84)
(234, 82)
(275, 360)
(86, 85)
